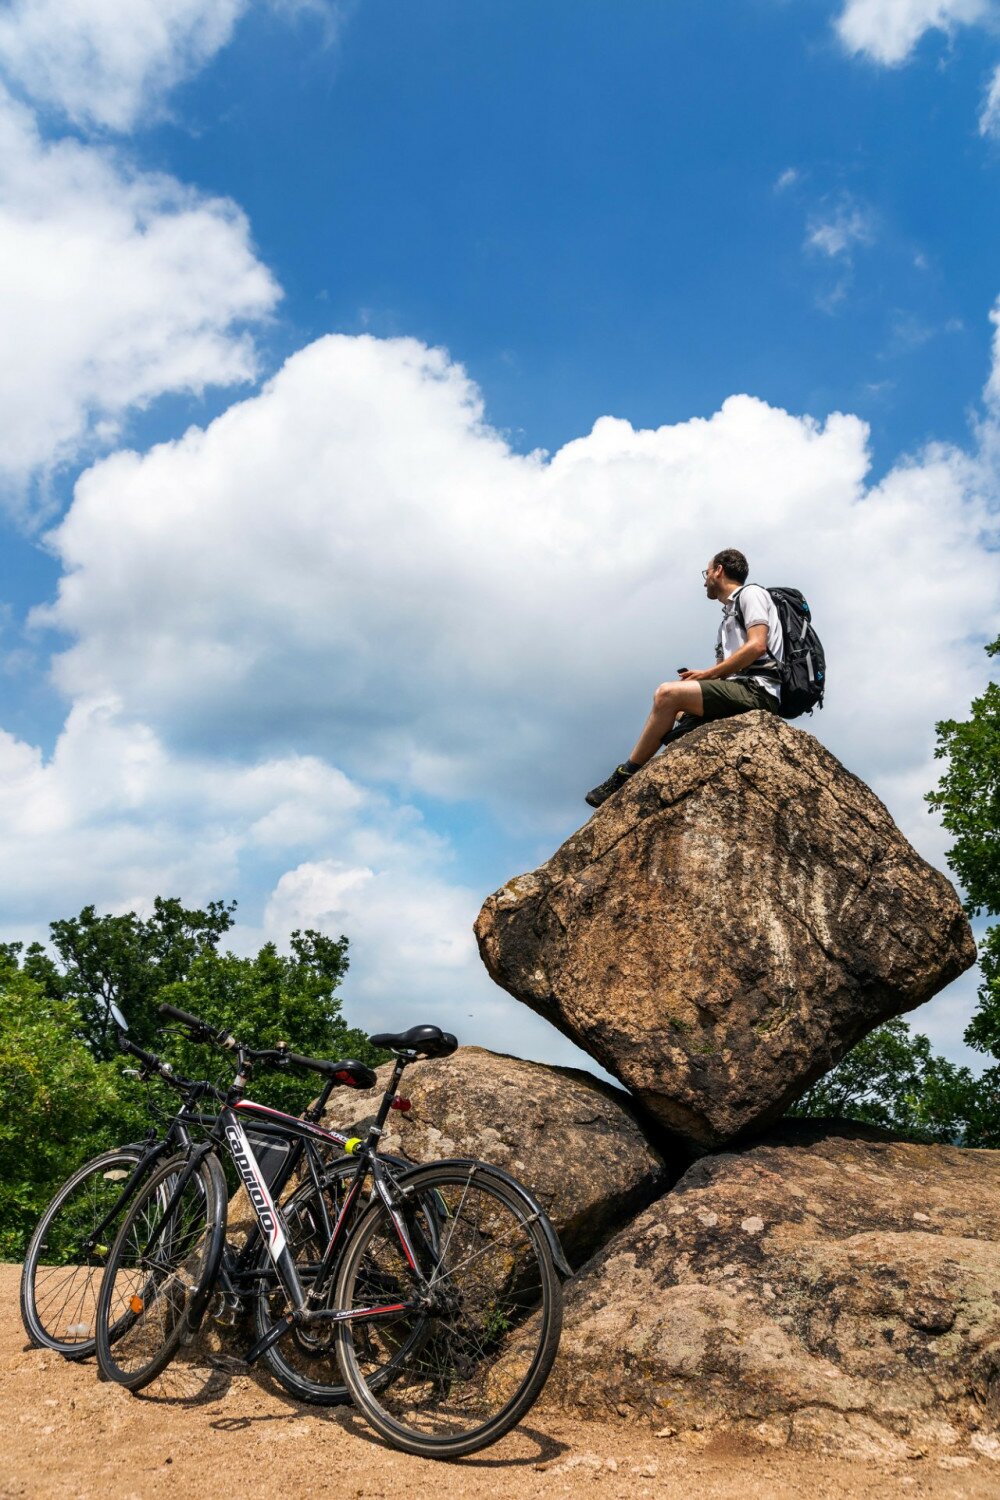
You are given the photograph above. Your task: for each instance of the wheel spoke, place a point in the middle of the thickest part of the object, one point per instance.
(64, 1264)
(482, 1353)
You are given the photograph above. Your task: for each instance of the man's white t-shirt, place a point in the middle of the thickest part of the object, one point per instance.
(758, 609)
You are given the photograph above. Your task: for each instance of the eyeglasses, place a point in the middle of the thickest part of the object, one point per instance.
(704, 574)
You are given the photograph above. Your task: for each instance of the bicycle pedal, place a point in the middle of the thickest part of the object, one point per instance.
(225, 1311)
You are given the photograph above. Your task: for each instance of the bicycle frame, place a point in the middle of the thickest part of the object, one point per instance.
(231, 1136)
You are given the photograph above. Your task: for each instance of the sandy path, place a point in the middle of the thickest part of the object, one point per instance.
(63, 1432)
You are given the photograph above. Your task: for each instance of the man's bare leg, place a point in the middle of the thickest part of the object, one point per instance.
(669, 700)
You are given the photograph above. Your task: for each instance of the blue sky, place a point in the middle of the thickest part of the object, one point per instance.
(354, 574)
(580, 202)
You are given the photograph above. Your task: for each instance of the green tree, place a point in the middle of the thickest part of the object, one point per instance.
(968, 798)
(58, 1103)
(125, 959)
(891, 1078)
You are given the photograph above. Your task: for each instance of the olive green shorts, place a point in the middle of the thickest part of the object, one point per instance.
(723, 696)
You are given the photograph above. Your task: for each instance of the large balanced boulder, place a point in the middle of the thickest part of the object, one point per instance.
(572, 1140)
(727, 926)
(830, 1286)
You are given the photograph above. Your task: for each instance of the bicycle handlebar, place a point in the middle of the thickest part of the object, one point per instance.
(355, 1074)
(149, 1059)
(163, 1069)
(201, 1030)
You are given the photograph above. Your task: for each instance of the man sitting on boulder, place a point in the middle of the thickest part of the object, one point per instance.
(728, 687)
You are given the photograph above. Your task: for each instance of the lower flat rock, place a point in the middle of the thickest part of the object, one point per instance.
(828, 1287)
(572, 1140)
(727, 926)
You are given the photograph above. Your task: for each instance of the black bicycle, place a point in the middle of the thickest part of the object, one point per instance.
(440, 1282)
(68, 1250)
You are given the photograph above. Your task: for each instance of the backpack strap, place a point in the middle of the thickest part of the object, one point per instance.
(763, 666)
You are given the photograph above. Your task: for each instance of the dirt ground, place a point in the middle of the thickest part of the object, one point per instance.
(65, 1433)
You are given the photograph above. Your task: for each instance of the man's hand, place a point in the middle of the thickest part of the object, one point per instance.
(756, 645)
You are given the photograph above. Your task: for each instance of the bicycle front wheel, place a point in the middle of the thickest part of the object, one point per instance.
(68, 1251)
(489, 1304)
(160, 1270)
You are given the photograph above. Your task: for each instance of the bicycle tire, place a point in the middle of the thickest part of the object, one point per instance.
(305, 1361)
(52, 1303)
(497, 1290)
(171, 1286)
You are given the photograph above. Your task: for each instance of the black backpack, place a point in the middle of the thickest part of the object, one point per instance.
(802, 673)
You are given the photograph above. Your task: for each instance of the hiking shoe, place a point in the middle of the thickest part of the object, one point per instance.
(607, 789)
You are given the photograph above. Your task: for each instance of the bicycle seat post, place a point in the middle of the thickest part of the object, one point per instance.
(378, 1124)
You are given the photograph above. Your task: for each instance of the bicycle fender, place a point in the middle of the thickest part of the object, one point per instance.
(559, 1260)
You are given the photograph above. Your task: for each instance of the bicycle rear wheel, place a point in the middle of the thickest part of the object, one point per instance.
(65, 1258)
(160, 1270)
(305, 1360)
(490, 1322)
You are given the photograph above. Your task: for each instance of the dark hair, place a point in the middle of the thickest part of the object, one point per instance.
(733, 564)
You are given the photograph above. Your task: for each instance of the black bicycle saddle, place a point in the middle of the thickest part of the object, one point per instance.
(425, 1041)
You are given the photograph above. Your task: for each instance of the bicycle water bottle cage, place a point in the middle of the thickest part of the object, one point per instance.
(425, 1041)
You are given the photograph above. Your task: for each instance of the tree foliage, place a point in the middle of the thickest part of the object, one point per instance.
(63, 1091)
(58, 1103)
(968, 797)
(891, 1077)
(126, 959)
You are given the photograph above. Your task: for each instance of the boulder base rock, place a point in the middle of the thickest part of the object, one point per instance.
(572, 1140)
(727, 926)
(833, 1290)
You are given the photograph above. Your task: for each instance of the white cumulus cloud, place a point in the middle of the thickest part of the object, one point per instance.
(887, 30)
(354, 564)
(111, 64)
(116, 286)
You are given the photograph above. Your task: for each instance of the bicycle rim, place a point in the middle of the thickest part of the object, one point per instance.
(61, 1279)
(160, 1271)
(490, 1333)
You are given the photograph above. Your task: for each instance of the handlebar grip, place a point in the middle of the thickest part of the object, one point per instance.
(149, 1058)
(203, 1031)
(298, 1061)
(176, 1014)
(354, 1074)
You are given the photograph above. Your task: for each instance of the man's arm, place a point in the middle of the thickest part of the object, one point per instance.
(756, 645)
